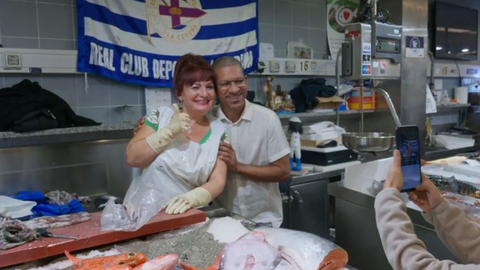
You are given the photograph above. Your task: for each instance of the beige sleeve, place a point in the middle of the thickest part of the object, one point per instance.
(402, 247)
(457, 232)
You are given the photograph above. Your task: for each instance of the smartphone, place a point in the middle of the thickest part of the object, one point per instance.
(408, 143)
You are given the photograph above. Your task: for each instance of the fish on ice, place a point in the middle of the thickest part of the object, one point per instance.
(166, 262)
(131, 259)
(306, 251)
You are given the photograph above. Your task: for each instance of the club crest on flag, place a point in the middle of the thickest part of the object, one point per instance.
(177, 21)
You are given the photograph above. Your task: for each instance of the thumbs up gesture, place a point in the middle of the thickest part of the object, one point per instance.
(180, 121)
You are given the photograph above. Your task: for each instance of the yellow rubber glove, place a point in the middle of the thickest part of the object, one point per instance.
(194, 198)
(179, 123)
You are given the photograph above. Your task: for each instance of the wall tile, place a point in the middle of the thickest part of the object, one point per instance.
(55, 21)
(62, 85)
(260, 94)
(20, 43)
(18, 18)
(252, 83)
(317, 16)
(143, 111)
(12, 79)
(265, 11)
(141, 95)
(127, 115)
(75, 23)
(97, 80)
(320, 2)
(319, 55)
(280, 53)
(318, 39)
(96, 95)
(59, 2)
(299, 33)
(283, 12)
(54, 44)
(266, 33)
(99, 114)
(300, 14)
(123, 94)
(283, 34)
(280, 21)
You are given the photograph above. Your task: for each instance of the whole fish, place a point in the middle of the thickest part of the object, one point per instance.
(214, 266)
(166, 262)
(119, 267)
(306, 251)
(451, 184)
(125, 259)
(249, 252)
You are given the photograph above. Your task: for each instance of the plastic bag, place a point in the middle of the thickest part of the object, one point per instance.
(141, 203)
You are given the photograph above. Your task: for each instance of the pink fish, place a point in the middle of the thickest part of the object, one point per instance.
(247, 253)
(119, 267)
(166, 262)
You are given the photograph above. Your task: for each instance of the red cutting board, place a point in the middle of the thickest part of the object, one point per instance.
(89, 235)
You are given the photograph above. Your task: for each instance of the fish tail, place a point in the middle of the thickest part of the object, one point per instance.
(335, 259)
(289, 259)
(72, 258)
(188, 267)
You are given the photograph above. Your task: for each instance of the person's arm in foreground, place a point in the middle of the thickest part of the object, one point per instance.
(457, 232)
(402, 247)
(202, 195)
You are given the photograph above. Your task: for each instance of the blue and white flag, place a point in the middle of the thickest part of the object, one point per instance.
(139, 41)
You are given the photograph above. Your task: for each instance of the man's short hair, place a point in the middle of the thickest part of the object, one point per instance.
(226, 61)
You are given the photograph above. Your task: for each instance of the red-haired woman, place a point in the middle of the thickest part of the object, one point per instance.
(178, 148)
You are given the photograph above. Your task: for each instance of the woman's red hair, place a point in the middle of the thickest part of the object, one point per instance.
(190, 69)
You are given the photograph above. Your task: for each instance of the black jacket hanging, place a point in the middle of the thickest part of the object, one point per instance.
(26, 106)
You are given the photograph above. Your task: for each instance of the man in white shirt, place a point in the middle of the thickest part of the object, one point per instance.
(258, 156)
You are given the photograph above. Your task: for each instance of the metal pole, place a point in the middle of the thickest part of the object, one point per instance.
(361, 105)
(390, 105)
(432, 71)
(337, 81)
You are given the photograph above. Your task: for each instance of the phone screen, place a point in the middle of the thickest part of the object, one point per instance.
(408, 144)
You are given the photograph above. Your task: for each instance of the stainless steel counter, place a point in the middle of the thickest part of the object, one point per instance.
(306, 204)
(309, 177)
(65, 135)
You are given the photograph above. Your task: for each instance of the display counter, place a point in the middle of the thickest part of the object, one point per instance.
(65, 135)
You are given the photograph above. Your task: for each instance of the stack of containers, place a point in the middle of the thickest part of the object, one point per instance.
(354, 101)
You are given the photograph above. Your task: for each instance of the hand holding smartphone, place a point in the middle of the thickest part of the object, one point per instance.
(408, 143)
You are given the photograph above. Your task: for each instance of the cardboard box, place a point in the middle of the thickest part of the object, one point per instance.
(329, 103)
(314, 143)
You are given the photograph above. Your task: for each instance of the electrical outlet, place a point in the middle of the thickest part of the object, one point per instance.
(12, 60)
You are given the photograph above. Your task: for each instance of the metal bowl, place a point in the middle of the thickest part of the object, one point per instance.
(368, 141)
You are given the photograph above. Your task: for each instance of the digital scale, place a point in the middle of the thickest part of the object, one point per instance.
(371, 51)
(367, 58)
